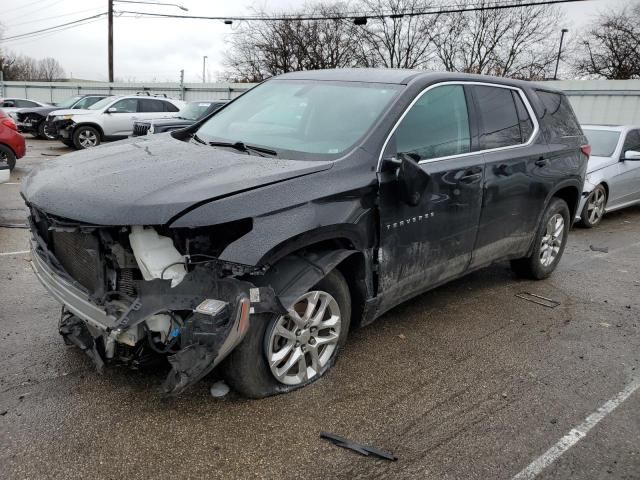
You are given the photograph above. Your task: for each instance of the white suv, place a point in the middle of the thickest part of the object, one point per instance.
(111, 118)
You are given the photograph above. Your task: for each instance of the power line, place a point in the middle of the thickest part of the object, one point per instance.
(12, 25)
(28, 34)
(300, 17)
(35, 37)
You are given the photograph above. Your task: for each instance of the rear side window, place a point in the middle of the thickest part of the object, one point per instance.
(499, 119)
(632, 142)
(170, 107)
(437, 125)
(558, 118)
(26, 104)
(148, 105)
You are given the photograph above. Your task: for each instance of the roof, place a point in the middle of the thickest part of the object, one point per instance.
(399, 76)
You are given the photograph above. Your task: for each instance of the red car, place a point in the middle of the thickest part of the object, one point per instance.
(12, 144)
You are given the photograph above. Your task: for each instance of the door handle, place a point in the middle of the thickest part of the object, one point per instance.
(502, 169)
(471, 176)
(542, 162)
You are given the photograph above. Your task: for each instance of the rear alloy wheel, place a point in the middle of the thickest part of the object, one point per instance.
(593, 210)
(7, 156)
(285, 352)
(86, 137)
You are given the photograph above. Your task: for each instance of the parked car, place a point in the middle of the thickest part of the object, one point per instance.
(109, 119)
(10, 105)
(32, 120)
(190, 114)
(12, 144)
(314, 202)
(613, 173)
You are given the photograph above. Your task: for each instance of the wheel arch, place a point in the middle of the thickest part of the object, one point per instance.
(570, 193)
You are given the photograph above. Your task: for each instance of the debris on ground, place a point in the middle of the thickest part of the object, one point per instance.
(540, 300)
(596, 248)
(219, 389)
(357, 447)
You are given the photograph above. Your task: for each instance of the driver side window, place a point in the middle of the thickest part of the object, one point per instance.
(632, 142)
(437, 125)
(128, 105)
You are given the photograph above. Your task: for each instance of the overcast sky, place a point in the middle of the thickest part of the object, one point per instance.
(147, 49)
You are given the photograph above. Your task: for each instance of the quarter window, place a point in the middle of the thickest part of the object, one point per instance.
(437, 125)
(169, 107)
(500, 123)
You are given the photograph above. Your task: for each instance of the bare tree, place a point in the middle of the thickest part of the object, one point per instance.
(611, 46)
(515, 42)
(49, 69)
(394, 37)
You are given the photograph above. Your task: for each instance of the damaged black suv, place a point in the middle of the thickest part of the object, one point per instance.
(315, 202)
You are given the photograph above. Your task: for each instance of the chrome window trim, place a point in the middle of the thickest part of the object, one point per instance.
(523, 97)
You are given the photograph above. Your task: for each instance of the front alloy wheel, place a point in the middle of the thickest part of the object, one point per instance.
(301, 343)
(552, 240)
(594, 208)
(86, 137)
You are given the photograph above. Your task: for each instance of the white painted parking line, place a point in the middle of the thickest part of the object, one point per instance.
(11, 183)
(576, 434)
(13, 253)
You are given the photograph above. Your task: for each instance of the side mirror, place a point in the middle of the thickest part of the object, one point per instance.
(412, 180)
(631, 155)
(111, 110)
(5, 174)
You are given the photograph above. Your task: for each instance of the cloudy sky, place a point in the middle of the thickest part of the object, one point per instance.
(148, 49)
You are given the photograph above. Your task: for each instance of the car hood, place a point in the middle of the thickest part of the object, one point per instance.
(71, 111)
(40, 110)
(596, 163)
(151, 180)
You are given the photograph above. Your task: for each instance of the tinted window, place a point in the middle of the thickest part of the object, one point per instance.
(148, 105)
(128, 105)
(632, 141)
(437, 125)
(500, 125)
(8, 103)
(526, 124)
(558, 118)
(170, 107)
(603, 142)
(26, 104)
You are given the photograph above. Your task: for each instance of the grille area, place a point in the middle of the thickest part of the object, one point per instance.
(79, 255)
(140, 129)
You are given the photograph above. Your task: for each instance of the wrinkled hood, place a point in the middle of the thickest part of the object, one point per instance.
(596, 163)
(150, 180)
(39, 110)
(71, 111)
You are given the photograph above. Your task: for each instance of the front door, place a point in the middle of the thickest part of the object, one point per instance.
(119, 121)
(430, 243)
(628, 178)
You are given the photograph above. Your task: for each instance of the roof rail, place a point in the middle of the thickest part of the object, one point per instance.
(149, 94)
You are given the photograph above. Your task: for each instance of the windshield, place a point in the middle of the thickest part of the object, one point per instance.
(301, 119)
(194, 110)
(69, 102)
(603, 142)
(102, 103)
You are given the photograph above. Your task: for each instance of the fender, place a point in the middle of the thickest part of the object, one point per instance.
(294, 274)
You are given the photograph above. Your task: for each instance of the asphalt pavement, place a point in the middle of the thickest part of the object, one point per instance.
(466, 381)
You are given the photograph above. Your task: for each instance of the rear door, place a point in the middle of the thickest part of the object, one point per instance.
(516, 165)
(427, 244)
(628, 182)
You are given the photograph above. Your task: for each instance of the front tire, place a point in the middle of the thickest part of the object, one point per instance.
(7, 155)
(86, 137)
(593, 209)
(284, 353)
(45, 132)
(550, 241)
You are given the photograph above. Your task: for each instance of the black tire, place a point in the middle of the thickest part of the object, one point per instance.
(246, 369)
(532, 266)
(84, 131)
(590, 219)
(7, 155)
(44, 132)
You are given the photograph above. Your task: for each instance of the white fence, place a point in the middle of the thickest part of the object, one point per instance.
(595, 101)
(55, 92)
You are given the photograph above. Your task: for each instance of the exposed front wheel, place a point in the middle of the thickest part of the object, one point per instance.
(86, 137)
(46, 132)
(282, 353)
(550, 241)
(593, 210)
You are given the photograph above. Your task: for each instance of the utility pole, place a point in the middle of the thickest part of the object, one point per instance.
(204, 63)
(181, 84)
(555, 74)
(110, 35)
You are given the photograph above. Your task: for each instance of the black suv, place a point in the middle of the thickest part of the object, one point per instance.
(189, 115)
(315, 202)
(32, 120)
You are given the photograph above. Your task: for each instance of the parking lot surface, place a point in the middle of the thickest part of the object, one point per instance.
(466, 381)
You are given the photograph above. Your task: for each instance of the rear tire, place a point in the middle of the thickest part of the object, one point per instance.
(248, 370)
(85, 137)
(593, 209)
(549, 243)
(7, 155)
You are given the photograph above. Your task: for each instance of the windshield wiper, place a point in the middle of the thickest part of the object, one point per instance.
(198, 139)
(242, 147)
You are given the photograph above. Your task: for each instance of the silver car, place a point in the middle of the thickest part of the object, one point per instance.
(613, 173)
